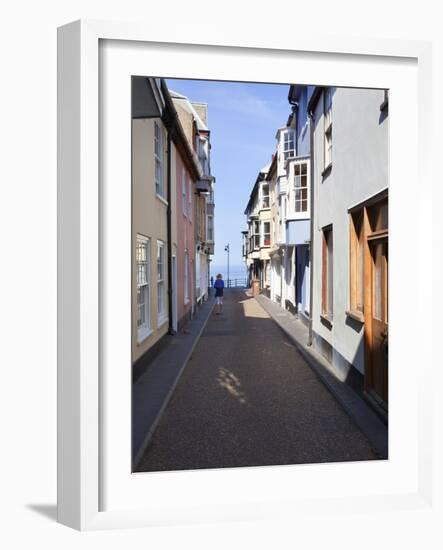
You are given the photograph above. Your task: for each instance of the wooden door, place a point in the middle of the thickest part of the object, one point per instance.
(379, 320)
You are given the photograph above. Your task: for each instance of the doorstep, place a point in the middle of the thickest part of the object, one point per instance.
(355, 406)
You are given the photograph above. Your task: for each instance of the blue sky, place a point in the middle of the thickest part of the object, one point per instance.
(243, 119)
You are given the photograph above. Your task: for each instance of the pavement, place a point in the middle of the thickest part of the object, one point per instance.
(153, 390)
(248, 397)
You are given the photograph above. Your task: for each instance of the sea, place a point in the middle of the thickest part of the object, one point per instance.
(235, 271)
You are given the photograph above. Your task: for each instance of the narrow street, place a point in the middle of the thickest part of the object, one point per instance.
(248, 398)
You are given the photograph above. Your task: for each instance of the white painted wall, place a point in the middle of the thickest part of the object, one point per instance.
(359, 170)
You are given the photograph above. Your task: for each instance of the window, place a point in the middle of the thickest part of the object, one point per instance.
(186, 277)
(158, 155)
(367, 222)
(288, 144)
(327, 274)
(190, 199)
(266, 233)
(378, 216)
(356, 272)
(256, 234)
(142, 259)
(161, 285)
(328, 127)
(301, 187)
(265, 192)
(210, 228)
(184, 193)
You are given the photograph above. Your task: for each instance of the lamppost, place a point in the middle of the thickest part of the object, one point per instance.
(227, 250)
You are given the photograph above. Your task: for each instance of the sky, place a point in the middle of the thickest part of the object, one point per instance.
(243, 119)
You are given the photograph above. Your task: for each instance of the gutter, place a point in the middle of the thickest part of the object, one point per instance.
(169, 235)
(176, 133)
(312, 206)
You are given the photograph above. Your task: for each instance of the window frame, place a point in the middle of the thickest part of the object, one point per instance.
(189, 205)
(145, 329)
(327, 306)
(162, 315)
(327, 130)
(357, 242)
(266, 233)
(301, 213)
(158, 161)
(256, 234)
(265, 200)
(184, 193)
(290, 134)
(186, 278)
(374, 214)
(210, 227)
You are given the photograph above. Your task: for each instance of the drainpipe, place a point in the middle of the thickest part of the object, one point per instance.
(169, 234)
(312, 205)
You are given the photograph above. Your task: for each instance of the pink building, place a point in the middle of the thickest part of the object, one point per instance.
(185, 242)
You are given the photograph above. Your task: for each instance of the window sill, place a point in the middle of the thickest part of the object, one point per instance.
(326, 319)
(326, 171)
(356, 315)
(143, 333)
(161, 199)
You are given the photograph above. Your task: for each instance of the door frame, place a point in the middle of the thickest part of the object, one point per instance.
(369, 238)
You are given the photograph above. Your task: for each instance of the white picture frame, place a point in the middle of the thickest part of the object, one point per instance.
(83, 440)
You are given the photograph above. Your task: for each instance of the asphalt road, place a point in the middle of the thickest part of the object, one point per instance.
(248, 398)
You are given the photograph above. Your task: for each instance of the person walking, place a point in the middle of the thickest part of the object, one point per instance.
(219, 285)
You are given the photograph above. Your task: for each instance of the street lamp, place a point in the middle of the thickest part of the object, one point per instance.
(227, 250)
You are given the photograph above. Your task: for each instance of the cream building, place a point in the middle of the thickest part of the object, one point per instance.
(259, 235)
(150, 311)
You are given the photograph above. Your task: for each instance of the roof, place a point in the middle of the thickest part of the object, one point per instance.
(314, 98)
(260, 177)
(187, 105)
(178, 134)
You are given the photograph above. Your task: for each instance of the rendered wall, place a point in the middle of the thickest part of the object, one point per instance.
(148, 219)
(359, 171)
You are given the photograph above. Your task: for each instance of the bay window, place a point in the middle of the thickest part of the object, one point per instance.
(288, 144)
(301, 187)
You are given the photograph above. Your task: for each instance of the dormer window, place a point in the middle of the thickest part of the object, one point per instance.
(288, 144)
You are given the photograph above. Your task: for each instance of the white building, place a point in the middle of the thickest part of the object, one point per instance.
(350, 236)
(291, 207)
(257, 241)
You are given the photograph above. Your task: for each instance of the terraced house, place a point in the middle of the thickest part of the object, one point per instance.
(193, 117)
(350, 225)
(258, 236)
(169, 181)
(323, 201)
